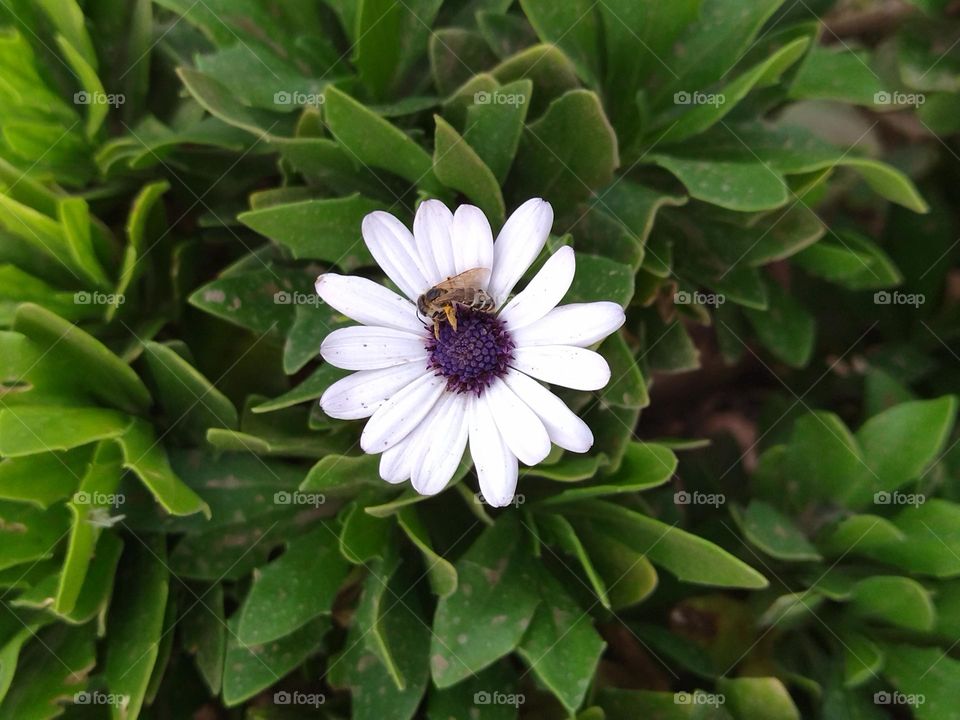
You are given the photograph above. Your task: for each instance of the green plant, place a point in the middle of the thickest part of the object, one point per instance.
(182, 526)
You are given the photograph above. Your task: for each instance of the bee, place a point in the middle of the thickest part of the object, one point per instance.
(440, 302)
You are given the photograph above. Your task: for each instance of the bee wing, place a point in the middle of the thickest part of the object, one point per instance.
(468, 279)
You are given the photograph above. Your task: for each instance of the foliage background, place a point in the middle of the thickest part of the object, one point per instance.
(768, 524)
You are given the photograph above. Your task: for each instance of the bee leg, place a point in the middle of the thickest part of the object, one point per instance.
(436, 328)
(451, 314)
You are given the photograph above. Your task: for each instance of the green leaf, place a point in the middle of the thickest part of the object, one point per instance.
(28, 533)
(389, 39)
(773, 533)
(335, 472)
(371, 140)
(822, 458)
(785, 328)
(327, 229)
(310, 389)
(219, 102)
(312, 322)
(204, 633)
(926, 673)
(493, 128)
(863, 660)
(899, 443)
(645, 466)
(98, 486)
(894, 600)
(52, 668)
(837, 74)
(627, 574)
(852, 260)
(489, 613)
(385, 663)
(293, 589)
(740, 186)
(753, 697)
(549, 165)
(136, 623)
(547, 67)
(689, 557)
(599, 278)
(29, 430)
(458, 166)
(74, 216)
(363, 537)
(104, 375)
(477, 694)
(442, 574)
(457, 54)
(573, 26)
(248, 670)
(187, 397)
(559, 531)
(561, 647)
(628, 388)
(18, 477)
(145, 224)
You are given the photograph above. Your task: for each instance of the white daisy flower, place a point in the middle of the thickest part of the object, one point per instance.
(426, 395)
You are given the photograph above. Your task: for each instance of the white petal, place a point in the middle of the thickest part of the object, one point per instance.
(579, 324)
(395, 461)
(367, 302)
(496, 465)
(543, 292)
(433, 468)
(562, 424)
(571, 367)
(360, 394)
(519, 426)
(472, 239)
(404, 411)
(395, 250)
(517, 246)
(370, 348)
(431, 229)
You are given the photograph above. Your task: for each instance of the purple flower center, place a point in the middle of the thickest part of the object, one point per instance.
(475, 354)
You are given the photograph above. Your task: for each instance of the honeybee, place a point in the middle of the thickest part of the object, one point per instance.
(466, 290)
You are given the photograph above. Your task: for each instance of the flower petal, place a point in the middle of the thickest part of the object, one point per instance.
(395, 463)
(562, 424)
(433, 468)
(395, 250)
(472, 239)
(431, 229)
(579, 324)
(367, 302)
(404, 411)
(496, 466)
(571, 367)
(519, 426)
(369, 348)
(543, 292)
(359, 395)
(517, 246)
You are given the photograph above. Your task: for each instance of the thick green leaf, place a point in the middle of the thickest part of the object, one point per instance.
(442, 574)
(29, 430)
(457, 165)
(293, 589)
(753, 697)
(489, 613)
(28, 533)
(689, 557)
(136, 623)
(494, 125)
(100, 372)
(894, 600)
(773, 533)
(785, 328)
(326, 229)
(926, 679)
